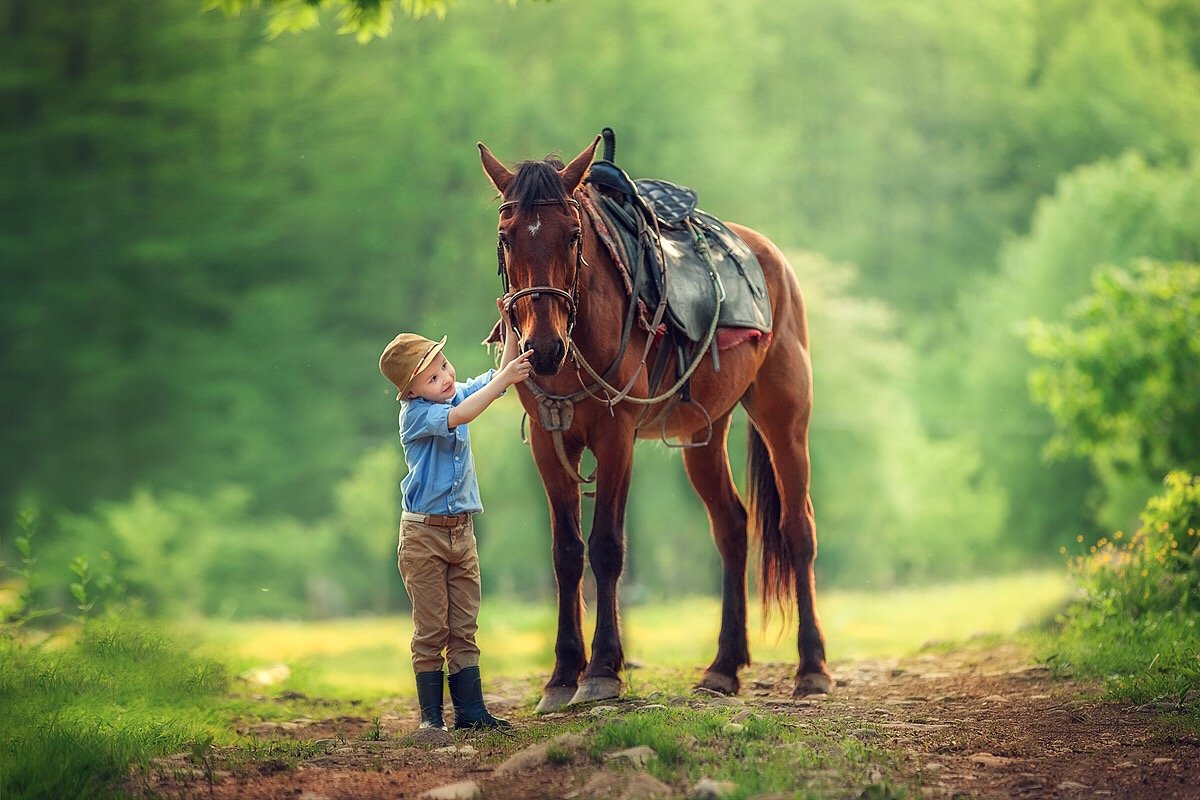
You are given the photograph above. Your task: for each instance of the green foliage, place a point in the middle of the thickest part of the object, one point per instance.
(1136, 621)
(22, 610)
(1081, 112)
(366, 19)
(206, 236)
(933, 512)
(1112, 212)
(1158, 569)
(1123, 379)
(178, 554)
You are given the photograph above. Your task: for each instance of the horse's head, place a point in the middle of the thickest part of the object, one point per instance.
(541, 250)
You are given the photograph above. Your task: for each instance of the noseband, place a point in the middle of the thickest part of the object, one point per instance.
(571, 298)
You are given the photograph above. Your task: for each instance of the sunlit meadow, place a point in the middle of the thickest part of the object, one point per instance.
(369, 656)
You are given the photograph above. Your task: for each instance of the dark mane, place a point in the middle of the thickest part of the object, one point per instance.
(536, 181)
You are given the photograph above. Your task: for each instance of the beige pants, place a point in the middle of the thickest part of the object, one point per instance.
(440, 567)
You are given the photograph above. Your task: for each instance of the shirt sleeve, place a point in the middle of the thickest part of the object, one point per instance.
(424, 419)
(475, 384)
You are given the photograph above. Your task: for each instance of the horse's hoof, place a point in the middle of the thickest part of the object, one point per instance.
(592, 689)
(813, 683)
(716, 682)
(555, 698)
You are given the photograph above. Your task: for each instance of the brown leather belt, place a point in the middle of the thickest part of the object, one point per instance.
(443, 520)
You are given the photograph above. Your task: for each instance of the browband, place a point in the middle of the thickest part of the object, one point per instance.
(571, 201)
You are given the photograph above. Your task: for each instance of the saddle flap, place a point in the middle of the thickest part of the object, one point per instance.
(672, 203)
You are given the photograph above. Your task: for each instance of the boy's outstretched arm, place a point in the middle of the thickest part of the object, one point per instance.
(515, 371)
(514, 368)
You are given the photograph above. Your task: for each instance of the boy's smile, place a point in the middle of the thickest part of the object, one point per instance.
(435, 383)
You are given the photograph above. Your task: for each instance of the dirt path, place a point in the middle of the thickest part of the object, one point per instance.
(970, 723)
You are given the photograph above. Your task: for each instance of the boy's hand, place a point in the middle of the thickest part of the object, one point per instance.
(502, 306)
(516, 370)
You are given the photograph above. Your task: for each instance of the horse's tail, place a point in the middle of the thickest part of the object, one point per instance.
(777, 581)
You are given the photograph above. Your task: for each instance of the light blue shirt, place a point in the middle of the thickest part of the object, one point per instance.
(441, 470)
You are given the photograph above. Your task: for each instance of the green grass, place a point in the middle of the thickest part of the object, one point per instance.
(765, 756)
(1151, 660)
(369, 657)
(77, 713)
(82, 706)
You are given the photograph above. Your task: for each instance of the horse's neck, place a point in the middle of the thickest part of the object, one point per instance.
(603, 304)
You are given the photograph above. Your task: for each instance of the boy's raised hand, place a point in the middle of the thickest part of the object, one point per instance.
(516, 370)
(502, 307)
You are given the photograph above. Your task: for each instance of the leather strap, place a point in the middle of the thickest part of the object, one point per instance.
(439, 520)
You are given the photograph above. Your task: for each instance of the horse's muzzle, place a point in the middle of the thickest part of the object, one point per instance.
(547, 357)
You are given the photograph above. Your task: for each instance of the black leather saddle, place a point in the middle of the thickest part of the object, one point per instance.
(672, 246)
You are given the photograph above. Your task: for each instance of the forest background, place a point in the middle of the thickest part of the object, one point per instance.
(206, 238)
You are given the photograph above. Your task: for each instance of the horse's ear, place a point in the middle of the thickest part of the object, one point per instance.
(496, 172)
(572, 174)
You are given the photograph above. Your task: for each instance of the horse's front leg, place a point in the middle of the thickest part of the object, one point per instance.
(606, 550)
(562, 494)
(708, 469)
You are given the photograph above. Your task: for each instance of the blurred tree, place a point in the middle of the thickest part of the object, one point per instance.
(1111, 212)
(1123, 378)
(101, 136)
(206, 237)
(893, 504)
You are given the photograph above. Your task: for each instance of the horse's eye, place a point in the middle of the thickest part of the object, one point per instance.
(576, 235)
(503, 239)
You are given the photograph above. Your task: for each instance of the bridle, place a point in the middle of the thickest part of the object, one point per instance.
(571, 298)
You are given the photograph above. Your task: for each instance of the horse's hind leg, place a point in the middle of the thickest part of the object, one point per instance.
(708, 470)
(779, 404)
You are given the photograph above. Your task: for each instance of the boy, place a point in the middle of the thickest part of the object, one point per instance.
(437, 556)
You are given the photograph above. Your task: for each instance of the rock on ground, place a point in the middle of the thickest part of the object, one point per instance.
(637, 756)
(708, 789)
(607, 785)
(429, 738)
(537, 755)
(464, 790)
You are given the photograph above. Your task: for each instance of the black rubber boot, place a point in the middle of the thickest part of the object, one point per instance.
(430, 691)
(466, 690)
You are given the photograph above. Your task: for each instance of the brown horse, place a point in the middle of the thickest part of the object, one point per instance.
(568, 309)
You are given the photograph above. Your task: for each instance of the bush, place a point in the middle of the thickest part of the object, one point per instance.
(175, 554)
(1158, 569)
(1135, 622)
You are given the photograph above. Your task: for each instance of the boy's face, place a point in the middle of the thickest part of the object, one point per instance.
(435, 383)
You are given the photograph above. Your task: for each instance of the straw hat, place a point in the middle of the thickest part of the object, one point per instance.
(407, 355)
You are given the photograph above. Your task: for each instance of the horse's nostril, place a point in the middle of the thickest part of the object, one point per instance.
(560, 350)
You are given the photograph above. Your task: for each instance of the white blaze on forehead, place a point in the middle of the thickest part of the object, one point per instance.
(535, 227)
